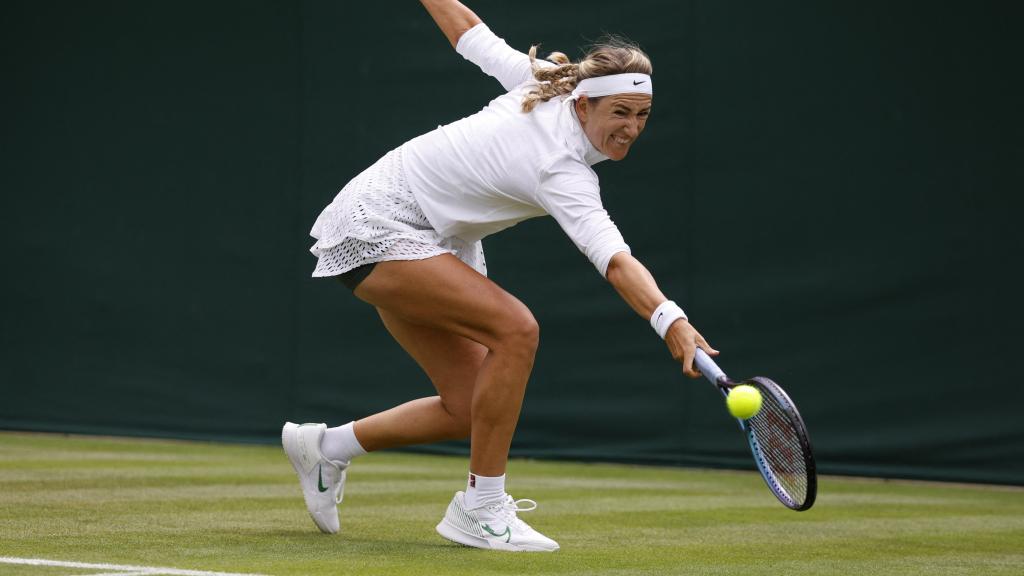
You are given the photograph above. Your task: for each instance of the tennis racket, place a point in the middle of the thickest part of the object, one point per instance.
(777, 437)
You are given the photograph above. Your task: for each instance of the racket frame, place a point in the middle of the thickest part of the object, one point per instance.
(766, 386)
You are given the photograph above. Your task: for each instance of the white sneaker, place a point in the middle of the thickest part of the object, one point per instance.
(493, 526)
(322, 480)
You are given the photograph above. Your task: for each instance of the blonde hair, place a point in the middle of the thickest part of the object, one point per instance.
(610, 55)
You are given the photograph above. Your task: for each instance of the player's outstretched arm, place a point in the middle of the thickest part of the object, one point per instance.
(637, 287)
(452, 17)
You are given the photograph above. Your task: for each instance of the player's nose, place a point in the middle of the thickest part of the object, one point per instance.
(632, 128)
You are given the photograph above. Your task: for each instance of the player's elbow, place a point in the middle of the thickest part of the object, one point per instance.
(616, 267)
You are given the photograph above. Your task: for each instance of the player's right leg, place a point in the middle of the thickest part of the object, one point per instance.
(445, 294)
(440, 300)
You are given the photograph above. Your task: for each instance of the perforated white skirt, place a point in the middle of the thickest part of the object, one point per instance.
(375, 218)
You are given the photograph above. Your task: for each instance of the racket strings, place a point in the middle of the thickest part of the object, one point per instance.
(781, 449)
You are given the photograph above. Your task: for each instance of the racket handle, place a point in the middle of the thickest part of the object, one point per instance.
(707, 367)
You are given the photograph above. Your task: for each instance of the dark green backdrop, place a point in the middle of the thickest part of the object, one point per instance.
(829, 189)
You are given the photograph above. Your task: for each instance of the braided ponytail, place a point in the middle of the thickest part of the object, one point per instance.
(551, 80)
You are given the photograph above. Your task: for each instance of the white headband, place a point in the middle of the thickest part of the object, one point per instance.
(628, 83)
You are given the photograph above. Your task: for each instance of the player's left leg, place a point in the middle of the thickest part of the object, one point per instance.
(452, 364)
(322, 455)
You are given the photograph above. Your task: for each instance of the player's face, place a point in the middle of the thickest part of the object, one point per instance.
(612, 123)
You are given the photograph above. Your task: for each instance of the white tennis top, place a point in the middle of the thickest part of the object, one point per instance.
(500, 166)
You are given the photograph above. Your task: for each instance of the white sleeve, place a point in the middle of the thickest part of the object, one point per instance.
(496, 58)
(570, 193)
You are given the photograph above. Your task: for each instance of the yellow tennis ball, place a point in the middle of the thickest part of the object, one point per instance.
(744, 402)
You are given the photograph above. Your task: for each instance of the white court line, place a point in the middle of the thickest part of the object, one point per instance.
(115, 574)
(119, 570)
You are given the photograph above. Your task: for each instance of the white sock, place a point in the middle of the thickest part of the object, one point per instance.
(340, 444)
(482, 490)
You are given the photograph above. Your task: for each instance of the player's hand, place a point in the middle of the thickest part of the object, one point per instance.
(683, 340)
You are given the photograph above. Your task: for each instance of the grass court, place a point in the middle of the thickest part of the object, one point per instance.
(205, 507)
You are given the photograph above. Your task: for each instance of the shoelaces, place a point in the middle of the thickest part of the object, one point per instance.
(339, 492)
(507, 510)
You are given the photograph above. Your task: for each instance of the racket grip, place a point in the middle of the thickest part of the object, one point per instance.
(707, 367)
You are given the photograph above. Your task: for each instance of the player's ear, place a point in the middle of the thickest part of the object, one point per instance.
(582, 109)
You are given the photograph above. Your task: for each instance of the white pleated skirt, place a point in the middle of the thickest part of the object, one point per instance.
(375, 218)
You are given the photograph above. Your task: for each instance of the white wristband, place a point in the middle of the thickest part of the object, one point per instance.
(664, 315)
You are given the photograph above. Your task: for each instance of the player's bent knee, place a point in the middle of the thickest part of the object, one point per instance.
(521, 333)
(459, 426)
(459, 420)
(461, 430)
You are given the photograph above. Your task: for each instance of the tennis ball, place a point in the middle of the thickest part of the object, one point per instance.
(744, 402)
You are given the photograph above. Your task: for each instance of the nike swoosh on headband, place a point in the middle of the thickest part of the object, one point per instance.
(625, 83)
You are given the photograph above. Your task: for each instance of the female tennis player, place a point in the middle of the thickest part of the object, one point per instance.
(405, 235)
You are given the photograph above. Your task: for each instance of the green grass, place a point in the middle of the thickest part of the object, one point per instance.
(239, 509)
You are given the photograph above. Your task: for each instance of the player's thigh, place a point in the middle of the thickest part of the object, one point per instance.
(442, 292)
(452, 362)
